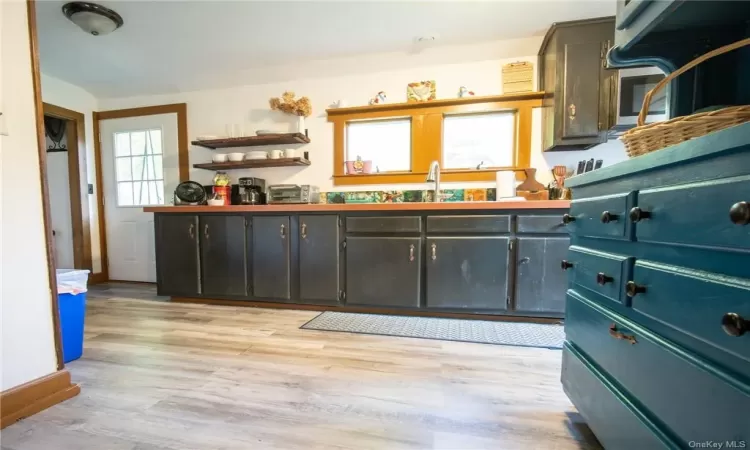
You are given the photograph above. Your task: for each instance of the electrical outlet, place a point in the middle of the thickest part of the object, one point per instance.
(91, 188)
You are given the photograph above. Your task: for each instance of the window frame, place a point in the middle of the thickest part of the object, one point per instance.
(427, 136)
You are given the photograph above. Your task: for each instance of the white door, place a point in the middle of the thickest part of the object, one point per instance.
(139, 168)
(58, 185)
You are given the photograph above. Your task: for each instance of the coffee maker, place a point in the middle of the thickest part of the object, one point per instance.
(252, 191)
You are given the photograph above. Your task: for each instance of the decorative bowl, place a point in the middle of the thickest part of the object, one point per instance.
(236, 157)
(219, 158)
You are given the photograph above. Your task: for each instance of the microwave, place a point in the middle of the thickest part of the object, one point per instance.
(634, 84)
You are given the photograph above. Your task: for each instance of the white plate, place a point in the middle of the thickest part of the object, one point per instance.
(207, 138)
(266, 132)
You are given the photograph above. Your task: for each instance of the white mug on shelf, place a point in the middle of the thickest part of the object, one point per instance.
(276, 154)
(290, 153)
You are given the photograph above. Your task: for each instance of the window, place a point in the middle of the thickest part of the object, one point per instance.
(387, 143)
(473, 139)
(138, 168)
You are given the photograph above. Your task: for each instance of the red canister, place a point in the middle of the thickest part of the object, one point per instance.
(225, 193)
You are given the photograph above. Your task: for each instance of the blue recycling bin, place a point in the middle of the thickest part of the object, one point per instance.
(71, 304)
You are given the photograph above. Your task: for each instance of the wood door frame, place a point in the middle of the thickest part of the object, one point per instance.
(75, 129)
(183, 159)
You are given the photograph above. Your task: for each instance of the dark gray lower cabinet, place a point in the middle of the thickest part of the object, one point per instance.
(223, 255)
(319, 250)
(271, 261)
(383, 271)
(467, 272)
(177, 255)
(540, 282)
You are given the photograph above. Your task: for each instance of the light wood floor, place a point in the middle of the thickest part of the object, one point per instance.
(157, 375)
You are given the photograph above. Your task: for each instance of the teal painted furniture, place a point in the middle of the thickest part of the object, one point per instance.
(658, 307)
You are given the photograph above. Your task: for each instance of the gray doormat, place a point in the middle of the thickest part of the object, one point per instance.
(479, 331)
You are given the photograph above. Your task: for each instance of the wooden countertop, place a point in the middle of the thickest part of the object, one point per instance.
(344, 207)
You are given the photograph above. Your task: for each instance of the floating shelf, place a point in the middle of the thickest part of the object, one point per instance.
(253, 141)
(254, 164)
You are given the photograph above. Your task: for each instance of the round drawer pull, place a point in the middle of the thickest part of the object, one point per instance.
(567, 218)
(602, 279)
(739, 213)
(565, 264)
(637, 214)
(633, 289)
(734, 325)
(608, 217)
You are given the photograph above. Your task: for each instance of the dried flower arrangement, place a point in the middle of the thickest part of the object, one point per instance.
(288, 105)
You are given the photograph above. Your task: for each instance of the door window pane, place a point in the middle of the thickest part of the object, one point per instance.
(125, 194)
(138, 142)
(387, 143)
(473, 139)
(123, 169)
(141, 163)
(122, 144)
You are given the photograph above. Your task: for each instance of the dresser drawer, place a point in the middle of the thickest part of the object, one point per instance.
(695, 214)
(693, 302)
(606, 411)
(384, 224)
(541, 224)
(603, 273)
(600, 216)
(468, 224)
(695, 401)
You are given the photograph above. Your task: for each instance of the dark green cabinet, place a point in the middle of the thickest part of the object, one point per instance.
(222, 241)
(541, 283)
(467, 272)
(177, 255)
(319, 256)
(271, 266)
(579, 106)
(383, 271)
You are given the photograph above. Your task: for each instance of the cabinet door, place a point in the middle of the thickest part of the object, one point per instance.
(319, 258)
(383, 271)
(581, 89)
(467, 272)
(223, 255)
(177, 255)
(271, 268)
(540, 281)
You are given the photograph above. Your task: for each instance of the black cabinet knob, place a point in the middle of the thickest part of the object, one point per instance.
(608, 217)
(633, 289)
(565, 264)
(637, 214)
(739, 213)
(734, 325)
(602, 279)
(567, 218)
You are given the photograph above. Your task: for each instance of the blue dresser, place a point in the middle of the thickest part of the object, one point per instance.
(658, 307)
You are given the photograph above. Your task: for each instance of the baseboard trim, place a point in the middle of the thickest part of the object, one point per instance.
(35, 396)
(366, 309)
(97, 278)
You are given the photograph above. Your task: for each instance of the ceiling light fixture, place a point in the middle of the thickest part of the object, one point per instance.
(92, 18)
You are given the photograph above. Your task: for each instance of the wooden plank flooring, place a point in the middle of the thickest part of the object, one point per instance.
(158, 375)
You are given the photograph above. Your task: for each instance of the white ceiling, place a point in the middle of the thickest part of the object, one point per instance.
(172, 46)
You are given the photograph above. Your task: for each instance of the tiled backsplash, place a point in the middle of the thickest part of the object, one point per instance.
(448, 195)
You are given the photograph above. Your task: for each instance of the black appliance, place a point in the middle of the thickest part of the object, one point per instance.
(190, 193)
(252, 191)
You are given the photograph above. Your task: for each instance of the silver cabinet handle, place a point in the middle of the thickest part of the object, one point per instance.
(411, 252)
(303, 230)
(205, 231)
(191, 231)
(283, 231)
(434, 252)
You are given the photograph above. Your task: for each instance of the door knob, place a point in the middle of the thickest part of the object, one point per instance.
(739, 213)
(608, 217)
(565, 264)
(734, 325)
(637, 214)
(567, 218)
(633, 289)
(602, 279)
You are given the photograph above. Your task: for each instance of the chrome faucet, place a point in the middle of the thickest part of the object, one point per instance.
(434, 175)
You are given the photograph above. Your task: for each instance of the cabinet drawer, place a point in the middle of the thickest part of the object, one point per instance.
(384, 224)
(689, 396)
(695, 214)
(601, 216)
(615, 424)
(468, 224)
(603, 273)
(694, 303)
(541, 224)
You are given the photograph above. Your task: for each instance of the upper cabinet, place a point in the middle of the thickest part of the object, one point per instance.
(580, 101)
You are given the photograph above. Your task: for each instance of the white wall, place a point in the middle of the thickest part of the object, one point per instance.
(28, 350)
(58, 185)
(69, 96)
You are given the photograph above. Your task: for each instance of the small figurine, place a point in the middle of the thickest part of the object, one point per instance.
(378, 99)
(463, 92)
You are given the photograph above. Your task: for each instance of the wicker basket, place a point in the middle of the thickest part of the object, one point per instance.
(656, 136)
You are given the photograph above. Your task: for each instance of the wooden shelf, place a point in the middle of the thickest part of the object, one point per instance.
(254, 141)
(254, 164)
